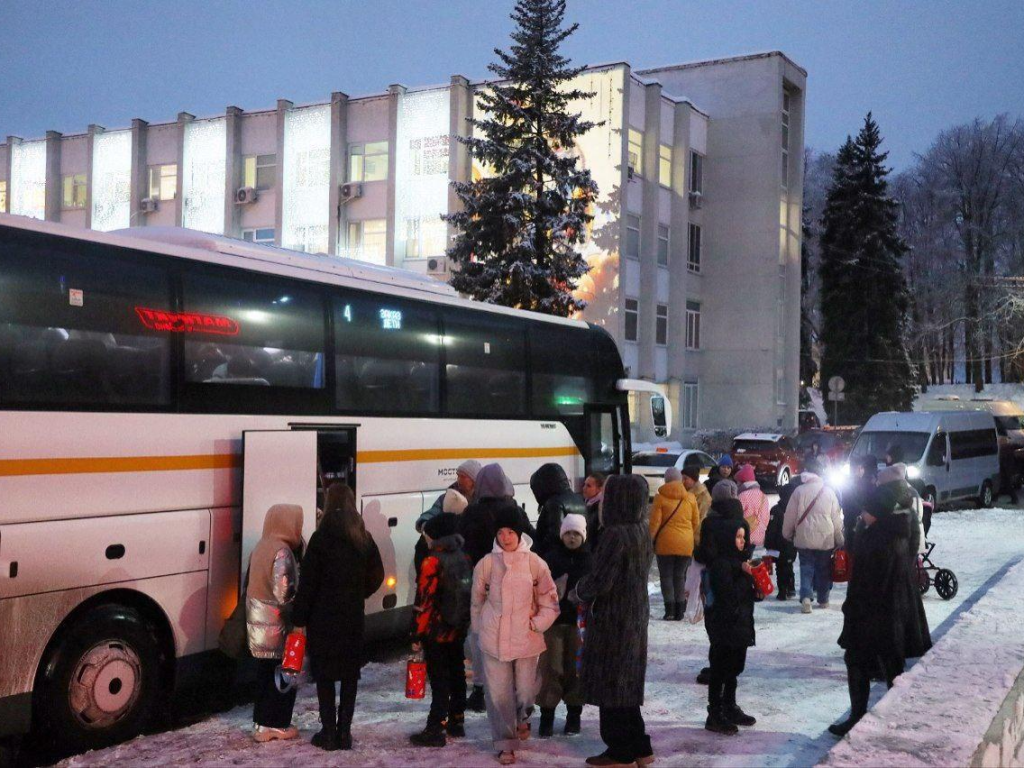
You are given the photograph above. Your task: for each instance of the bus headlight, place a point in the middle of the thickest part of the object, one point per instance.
(913, 473)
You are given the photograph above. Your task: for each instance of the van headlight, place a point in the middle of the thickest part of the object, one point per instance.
(837, 478)
(845, 469)
(913, 473)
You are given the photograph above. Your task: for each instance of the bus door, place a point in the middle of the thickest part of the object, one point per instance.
(605, 450)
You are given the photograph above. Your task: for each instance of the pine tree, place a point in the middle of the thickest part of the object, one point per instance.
(864, 296)
(521, 224)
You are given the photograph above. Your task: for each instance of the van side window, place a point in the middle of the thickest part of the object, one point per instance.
(937, 450)
(973, 443)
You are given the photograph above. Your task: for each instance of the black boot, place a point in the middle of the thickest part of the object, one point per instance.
(327, 738)
(572, 721)
(346, 710)
(704, 677)
(859, 683)
(680, 611)
(431, 736)
(670, 612)
(456, 725)
(547, 723)
(732, 711)
(717, 722)
(475, 702)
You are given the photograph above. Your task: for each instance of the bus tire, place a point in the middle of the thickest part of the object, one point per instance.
(100, 682)
(986, 497)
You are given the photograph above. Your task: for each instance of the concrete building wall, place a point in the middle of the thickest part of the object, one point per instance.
(259, 137)
(74, 160)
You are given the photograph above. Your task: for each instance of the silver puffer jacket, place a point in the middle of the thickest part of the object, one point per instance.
(268, 622)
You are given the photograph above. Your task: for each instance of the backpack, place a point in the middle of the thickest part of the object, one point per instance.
(455, 590)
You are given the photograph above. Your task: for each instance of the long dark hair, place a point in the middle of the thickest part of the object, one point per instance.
(342, 519)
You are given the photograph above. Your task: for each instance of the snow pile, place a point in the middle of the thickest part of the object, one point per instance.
(1012, 392)
(939, 711)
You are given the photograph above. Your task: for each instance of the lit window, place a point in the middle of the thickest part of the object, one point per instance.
(425, 237)
(697, 172)
(632, 236)
(661, 325)
(663, 243)
(691, 393)
(785, 138)
(264, 235)
(74, 191)
(368, 162)
(636, 152)
(632, 319)
(163, 181)
(693, 325)
(260, 171)
(693, 254)
(665, 165)
(367, 240)
(3, 197)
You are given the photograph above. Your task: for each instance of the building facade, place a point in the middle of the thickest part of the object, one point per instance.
(694, 249)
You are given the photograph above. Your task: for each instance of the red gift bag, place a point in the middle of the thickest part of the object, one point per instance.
(415, 679)
(762, 578)
(840, 566)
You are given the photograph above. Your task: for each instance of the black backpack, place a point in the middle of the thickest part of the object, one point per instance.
(455, 590)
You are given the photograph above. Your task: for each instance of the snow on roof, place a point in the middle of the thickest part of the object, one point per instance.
(765, 436)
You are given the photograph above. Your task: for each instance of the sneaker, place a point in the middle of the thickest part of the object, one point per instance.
(805, 605)
(431, 736)
(456, 726)
(507, 758)
(263, 734)
(476, 702)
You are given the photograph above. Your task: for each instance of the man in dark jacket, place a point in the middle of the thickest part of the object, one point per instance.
(785, 579)
(556, 499)
(723, 471)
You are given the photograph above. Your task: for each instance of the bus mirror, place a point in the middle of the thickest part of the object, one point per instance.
(660, 408)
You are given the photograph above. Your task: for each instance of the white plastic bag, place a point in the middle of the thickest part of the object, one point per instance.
(694, 595)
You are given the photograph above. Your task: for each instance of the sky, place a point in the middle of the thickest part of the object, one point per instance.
(919, 66)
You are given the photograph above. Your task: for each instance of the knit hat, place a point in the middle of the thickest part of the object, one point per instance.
(725, 461)
(673, 475)
(510, 517)
(725, 489)
(692, 471)
(745, 474)
(441, 525)
(573, 522)
(470, 468)
(454, 502)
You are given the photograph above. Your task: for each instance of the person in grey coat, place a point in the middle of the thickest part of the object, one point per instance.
(614, 659)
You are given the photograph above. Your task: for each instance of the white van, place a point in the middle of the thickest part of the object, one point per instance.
(950, 455)
(1009, 416)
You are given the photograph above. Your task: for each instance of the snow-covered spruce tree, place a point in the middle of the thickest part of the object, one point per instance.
(864, 296)
(521, 224)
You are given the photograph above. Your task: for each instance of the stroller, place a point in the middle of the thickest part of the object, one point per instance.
(929, 574)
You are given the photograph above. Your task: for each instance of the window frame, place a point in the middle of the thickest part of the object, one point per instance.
(358, 149)
(251, 167)
(696, 185)
(691, 405)
(631, 314)
(160, 169)
(661, 325)
(664, 253)
(638, 229)
(665, 165)
(694, 247)
(634, 152)
(74, 183)
(693, 339)
(359, 226)
(254, 231)
(3, 196)
(786, 105)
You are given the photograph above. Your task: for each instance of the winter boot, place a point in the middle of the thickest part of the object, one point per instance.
(670, 612)
(475, 702)
(431, 736)
(717, 721)
(859, 683)
(345, 713)
(805, 605)
(572, 721)
(327, 739)
(732, 711)
(704, 677)
(680, 611)
(456, 725)
(547, 723)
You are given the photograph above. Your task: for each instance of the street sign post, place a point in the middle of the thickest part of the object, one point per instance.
(836, 385)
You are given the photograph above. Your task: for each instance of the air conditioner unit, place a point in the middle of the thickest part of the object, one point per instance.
(245, 195)
(437, 266)
(630, 172)
(696, 200)
(149, 204)
(351, 191)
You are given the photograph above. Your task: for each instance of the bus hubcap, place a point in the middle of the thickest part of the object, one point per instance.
(105, 684)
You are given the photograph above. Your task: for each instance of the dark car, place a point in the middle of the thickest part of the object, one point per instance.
(834, 444)
(775, 457)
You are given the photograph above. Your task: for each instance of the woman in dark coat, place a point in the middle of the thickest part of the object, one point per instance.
(865, 480)
(556, 499)
(879, 623)
(614, 659)
(341, 569)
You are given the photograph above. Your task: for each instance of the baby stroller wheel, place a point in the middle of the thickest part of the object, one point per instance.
(923, 582)
(946, 584)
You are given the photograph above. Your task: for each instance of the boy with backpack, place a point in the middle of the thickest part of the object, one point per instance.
(441, 621)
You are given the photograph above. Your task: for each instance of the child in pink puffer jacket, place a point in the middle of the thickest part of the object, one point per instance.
(514, 602)
(756, 510)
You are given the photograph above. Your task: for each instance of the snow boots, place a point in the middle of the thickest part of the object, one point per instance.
(572, 721)
(704, 676)
(859, 682)
(456, 725)
(431, 736)
(674, 611)
(718, 719)
(547, 723)
(735, 715)
(475, 702)
(680, 611)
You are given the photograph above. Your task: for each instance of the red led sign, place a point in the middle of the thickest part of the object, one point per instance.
(186, 322)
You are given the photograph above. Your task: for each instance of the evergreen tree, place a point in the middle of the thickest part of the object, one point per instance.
(521, 224)
(864, 296)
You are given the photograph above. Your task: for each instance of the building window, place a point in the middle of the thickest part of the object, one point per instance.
(693, 254)
(163, 181)
(259, 171)
(367, 240)
(785, 138)
(636, 153)
(691, 393)
(368, 162)
(663, 244)
(697, 172)
(74, 191)
(3, 197)
(632, 319)
(263, 235)
(665, 165)
(661, 325)
(693, 325)
(780, 386)
(632, 236)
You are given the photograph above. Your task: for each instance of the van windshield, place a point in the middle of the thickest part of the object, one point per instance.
(877, 444)
(1009, 423)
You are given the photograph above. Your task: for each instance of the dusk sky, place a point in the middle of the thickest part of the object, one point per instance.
(919, 66)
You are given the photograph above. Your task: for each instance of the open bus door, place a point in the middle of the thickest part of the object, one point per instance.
(606, 451)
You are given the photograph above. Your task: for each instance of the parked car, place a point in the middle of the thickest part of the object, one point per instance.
(774, 456)
(652, 464)
(835, 443)
(808, 419)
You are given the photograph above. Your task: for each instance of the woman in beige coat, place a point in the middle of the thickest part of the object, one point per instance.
(514, 602)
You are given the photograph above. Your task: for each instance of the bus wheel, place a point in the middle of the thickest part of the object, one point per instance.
(99, 684)
(986, 499)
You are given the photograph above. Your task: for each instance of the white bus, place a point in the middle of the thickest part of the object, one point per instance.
(159, 390)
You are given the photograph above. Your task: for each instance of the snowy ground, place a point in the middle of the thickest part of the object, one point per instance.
(794, 684)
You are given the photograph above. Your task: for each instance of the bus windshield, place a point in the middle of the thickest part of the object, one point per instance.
(877, 444)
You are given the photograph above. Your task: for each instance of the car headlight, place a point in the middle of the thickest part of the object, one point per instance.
(845, 469)
(913, 473)
(837, 478)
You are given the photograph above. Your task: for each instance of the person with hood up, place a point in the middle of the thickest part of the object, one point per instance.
(878, 626)
(755, 504)
(273, 580)
(493, 494)
(893, 479)
(675, 528)
(569, 562)
(865, 480)
(722, 471)
(445, 573)
(778, 546)
(341, 569)
(465, 482)
(814, 523)
(614, 658)
(692, 483)
(555, 499)
(514, 603)
(593, 492)
(729, 621)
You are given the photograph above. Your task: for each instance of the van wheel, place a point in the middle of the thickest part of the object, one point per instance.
(100, 683)
(784, 477)
(986, 497)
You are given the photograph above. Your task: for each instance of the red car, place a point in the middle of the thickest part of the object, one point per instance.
(834, 443)
(775, 457)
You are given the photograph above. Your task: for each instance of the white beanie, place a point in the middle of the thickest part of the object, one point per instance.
(577, 523)
(470, 468)
(454, 502)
